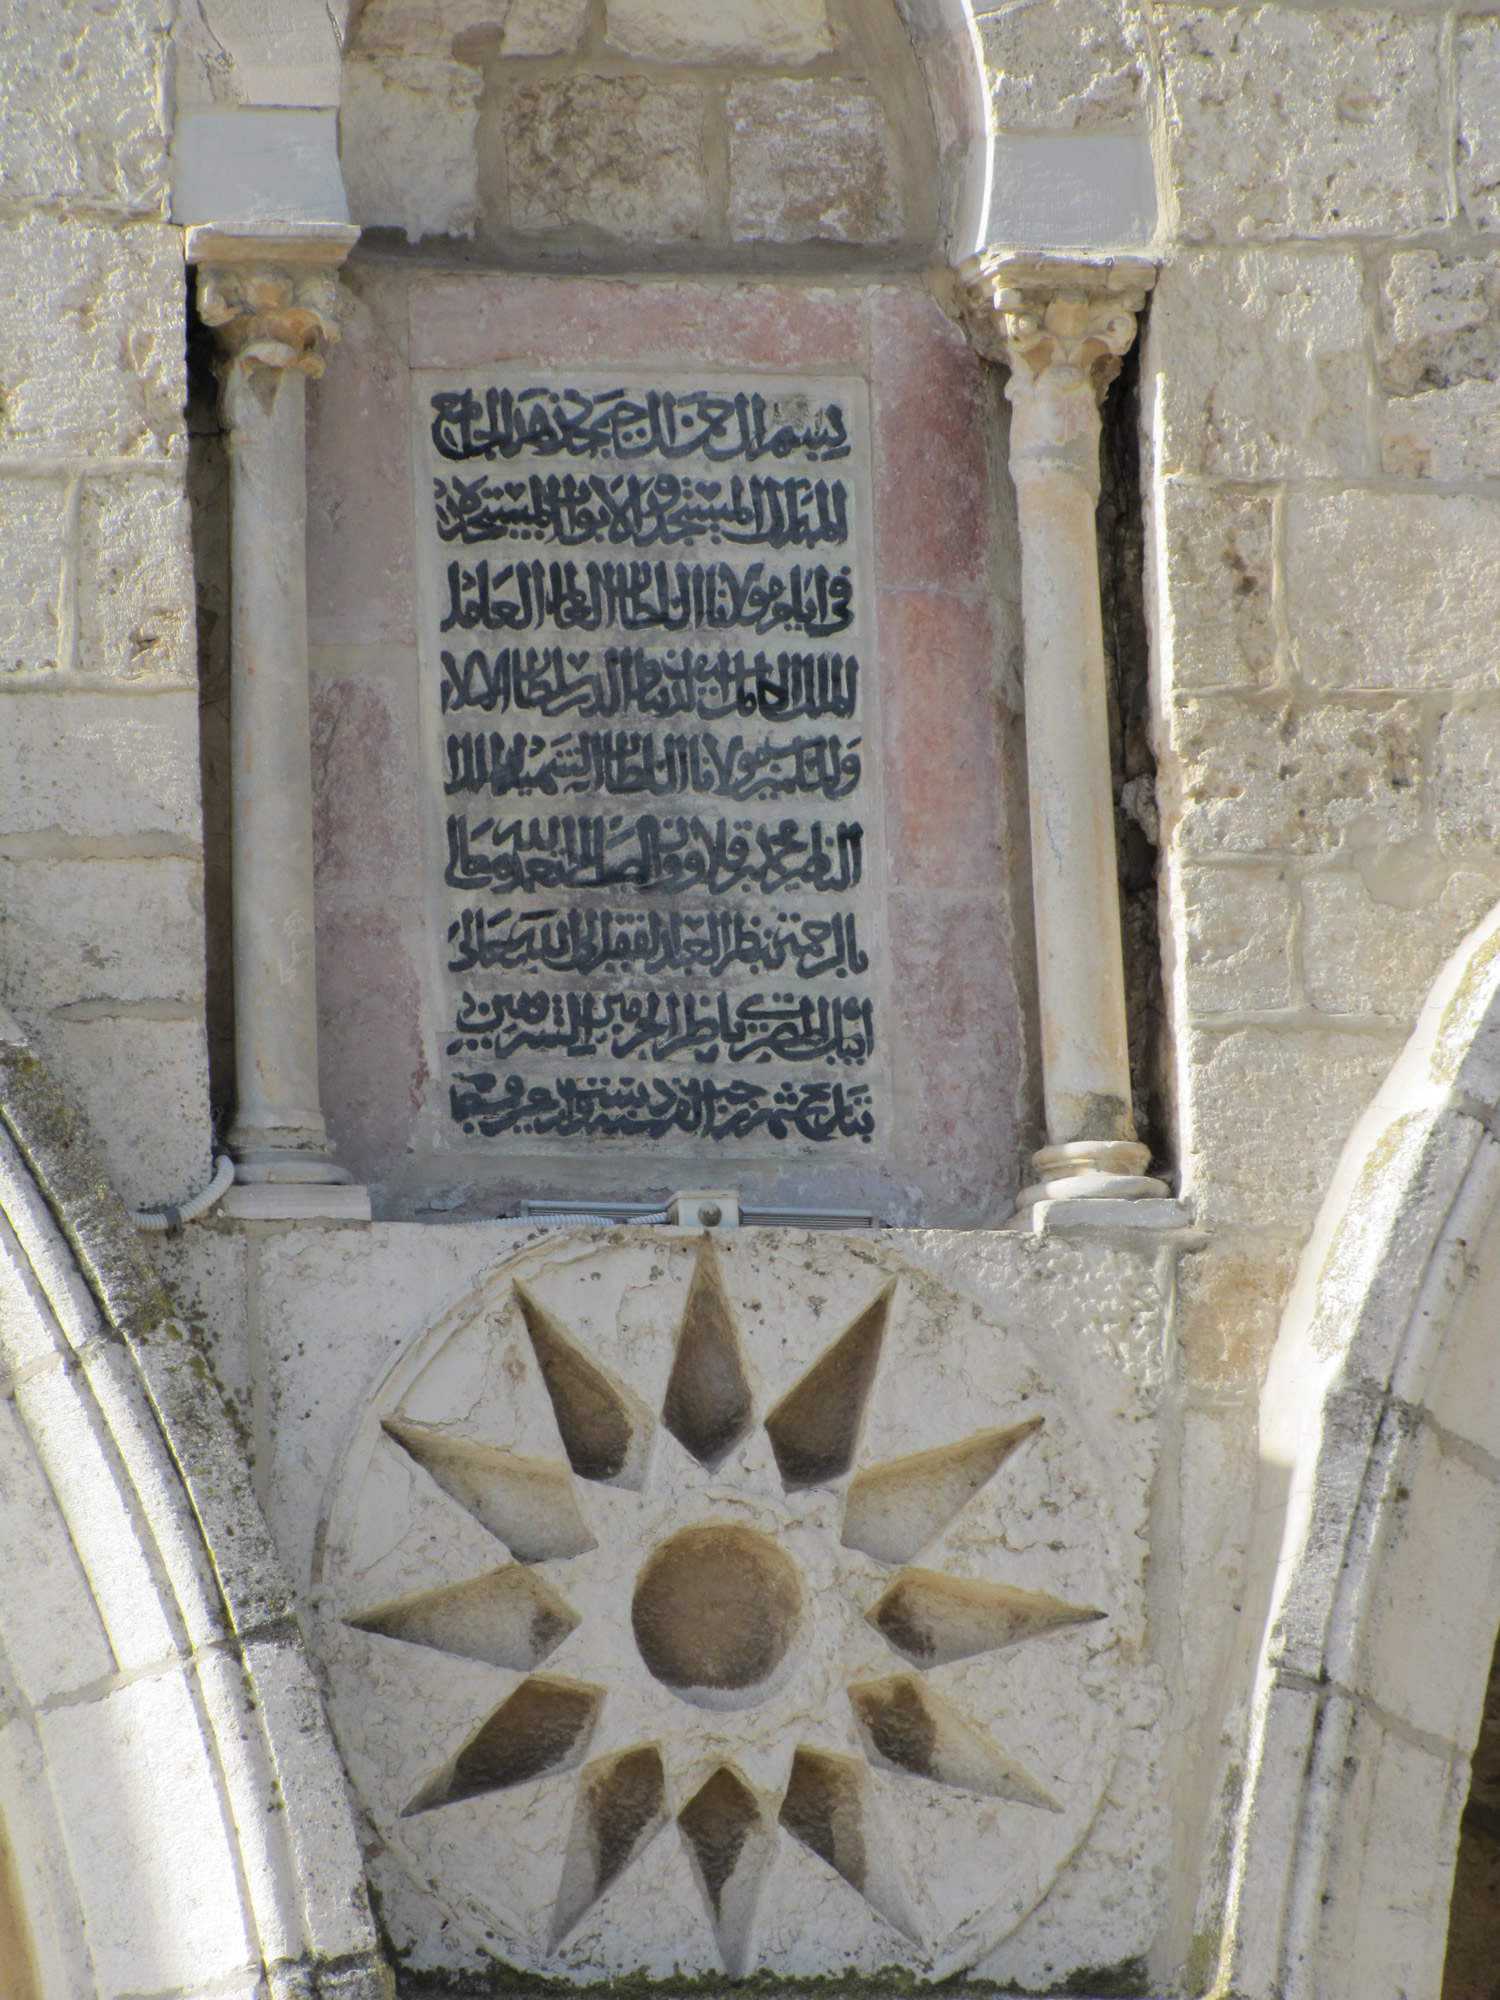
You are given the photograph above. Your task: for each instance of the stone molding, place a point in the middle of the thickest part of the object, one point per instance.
(270, 315)
(1045, 313)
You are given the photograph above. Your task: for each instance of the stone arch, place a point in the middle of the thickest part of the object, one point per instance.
(1379, 1544)
(172, 1812)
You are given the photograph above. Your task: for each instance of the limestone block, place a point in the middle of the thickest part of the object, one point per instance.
(406, 133)
(366, 787)
(943, 800)
(144, 1742)
(811, 161)
(1443, 434)
(142, 1083)
(621, 154)
(1467, 782)
(93, 931)
(421, 29)
(1477, 49)
(1285, 122)
(1262, 777)
(54, 1643)
(33, 528)
(1237, 925)
(206, 1271)
(81, 100)
(1440, 322)
(1270, 1163)
(1393, 590)
(371, 1060)
(1217, 586)
(783, 32)
(135, 580)
(1229, 1300)
(94, 358)
(544, 27)
(101, 766)
(1362, 956)
(1064, 65)
(1263, 360)
(258, 52)
(1463, 1394)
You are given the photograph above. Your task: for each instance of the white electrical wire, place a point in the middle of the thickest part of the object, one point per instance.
(167, 1221)
(585, 1221)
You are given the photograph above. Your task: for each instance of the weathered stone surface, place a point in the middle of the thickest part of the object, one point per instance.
(1263, 364)
(1279, 777)
(1477, 49)
(811, 161)
(783, 32)
(620, 154)
(464, 322)
(1229, 1300)
(1218, 582)
(1237, 925)
(145, 1085)
(99, 143)
(94, 339)
(1440, 321)
(1393, 590)
(1466, 786)
(407, 144)
(85, 764)
(372, 1067)
(1064, 65)
(135, 580)
(1443, 434)
(1288, 122)
(99, 932)
(1362, 956)
(544, 27)
(1310, 1086)
(943, 802)
(33, 529)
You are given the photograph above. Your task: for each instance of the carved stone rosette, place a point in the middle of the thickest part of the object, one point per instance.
(1062, 329)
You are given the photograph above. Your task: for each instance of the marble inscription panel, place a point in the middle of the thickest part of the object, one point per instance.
(653, 796)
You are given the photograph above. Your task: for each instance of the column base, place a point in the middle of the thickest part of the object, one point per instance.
(296, 1201)
(1092, 1170)
(263, 1164)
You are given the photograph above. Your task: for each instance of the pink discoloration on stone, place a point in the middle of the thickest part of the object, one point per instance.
(962, 1029)
(929, 402)
(365, 802)
(360, 588)
(372, 1072)
(942, 798)
(466, 322)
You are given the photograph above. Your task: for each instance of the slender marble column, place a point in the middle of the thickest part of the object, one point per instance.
(1062, 328)
(269, 322)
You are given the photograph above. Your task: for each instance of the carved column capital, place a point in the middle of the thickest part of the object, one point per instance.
(1041, 314)
(271, 315)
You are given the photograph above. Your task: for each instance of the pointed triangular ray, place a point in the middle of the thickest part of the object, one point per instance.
(510, 1618)
(933, 1618)
(605, 1430)
(815, 1427)
(894, 1509)
(730, 1847)
(906, 1727)
(527, 1503)
(707, 1406)
(828, 1809)
(542, 1728)
(621, 1807)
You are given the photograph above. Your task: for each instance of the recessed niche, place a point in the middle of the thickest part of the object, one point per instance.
(714, 1611)
(620, 1808)
(527, 1503)
(933, 1618)
(906, 1727)
(707, 1406)
(730, 1847)
(893, 1510)
(815, 1427)
(605, 1431)
(542, 1728)
(511, 1618)
(828, 1808)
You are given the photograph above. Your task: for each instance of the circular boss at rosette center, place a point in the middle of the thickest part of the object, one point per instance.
(715, 1609)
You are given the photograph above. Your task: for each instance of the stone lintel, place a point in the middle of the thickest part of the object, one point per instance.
(297, 243)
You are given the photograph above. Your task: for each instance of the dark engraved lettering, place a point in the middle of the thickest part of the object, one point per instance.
(646, 596)
(651, 855)
(643, 511)
(548, 423)
(578, 941)
(697, 1107)
(549, 681)
(656, 1026)
(626, 763)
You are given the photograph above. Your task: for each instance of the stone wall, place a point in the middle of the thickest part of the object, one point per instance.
(101, 939)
